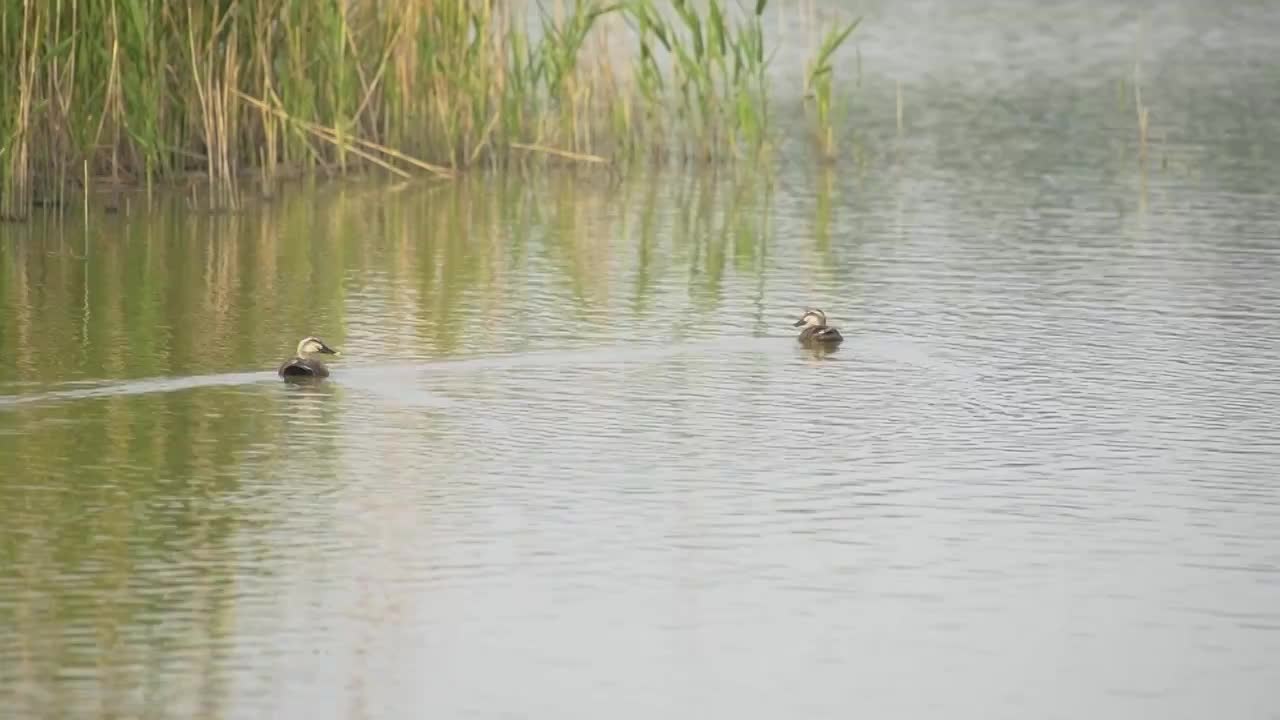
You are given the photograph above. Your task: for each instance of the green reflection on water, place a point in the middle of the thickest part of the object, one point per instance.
(127, 517)
(170, 292)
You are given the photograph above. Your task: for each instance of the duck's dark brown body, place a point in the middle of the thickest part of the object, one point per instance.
(303, 367)
(824, 335)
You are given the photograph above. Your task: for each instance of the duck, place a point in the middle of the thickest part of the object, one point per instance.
(302, 364)
(816, 330)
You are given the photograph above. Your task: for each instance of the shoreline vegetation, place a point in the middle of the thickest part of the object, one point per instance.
(141, 92)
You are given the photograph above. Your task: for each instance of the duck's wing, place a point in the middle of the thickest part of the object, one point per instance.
(302, 367)
(820, 335)
(828, 334)
(291, 367)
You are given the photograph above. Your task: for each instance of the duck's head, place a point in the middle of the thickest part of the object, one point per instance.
(312, 345)
(812, 316)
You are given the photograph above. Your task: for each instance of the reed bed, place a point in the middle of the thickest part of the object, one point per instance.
(145, 91)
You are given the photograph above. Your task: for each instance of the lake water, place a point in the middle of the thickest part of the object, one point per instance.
(572, 462)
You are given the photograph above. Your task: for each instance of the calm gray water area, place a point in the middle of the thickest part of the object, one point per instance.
(572, 462)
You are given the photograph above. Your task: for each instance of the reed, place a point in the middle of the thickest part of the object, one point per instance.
(819, 87)
(1144, 116)
(144, 91)
(715, 95)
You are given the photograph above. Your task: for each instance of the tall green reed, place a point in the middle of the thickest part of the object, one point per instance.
(717, 86)
(819, 87)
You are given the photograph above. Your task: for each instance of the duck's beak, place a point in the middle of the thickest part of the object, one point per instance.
(329, 351)
(798, 323)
